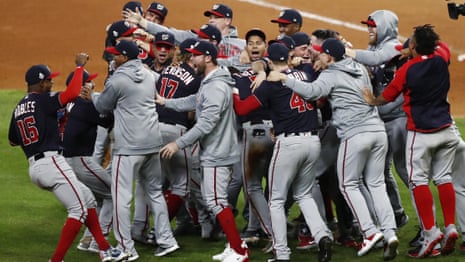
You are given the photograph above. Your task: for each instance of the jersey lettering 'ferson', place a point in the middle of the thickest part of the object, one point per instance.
(180, 72)
(23, 108)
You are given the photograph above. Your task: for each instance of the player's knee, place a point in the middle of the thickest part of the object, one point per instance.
(79, 214)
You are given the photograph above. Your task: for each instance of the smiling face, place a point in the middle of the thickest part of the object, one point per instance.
(256, 47)
(372, 35)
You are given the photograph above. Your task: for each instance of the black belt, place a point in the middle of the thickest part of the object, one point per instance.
(42, 155)
(313, 133)
(256, 122)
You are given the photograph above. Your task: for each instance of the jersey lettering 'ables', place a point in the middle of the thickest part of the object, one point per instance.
(290, 112)
(35, 117)
(175, 82)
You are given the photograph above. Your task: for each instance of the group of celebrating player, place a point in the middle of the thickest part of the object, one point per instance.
(194, 114)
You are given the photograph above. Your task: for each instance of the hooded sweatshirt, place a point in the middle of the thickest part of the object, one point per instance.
(129, 94)
(342, 83)
(380, 60)
(215, 127)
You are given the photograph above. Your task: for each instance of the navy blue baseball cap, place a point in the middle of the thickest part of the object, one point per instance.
(37, 73)
(334, 48)
(202, 47)
(257, 32)
(219, 10)
(166, 38)
(126, 48)
(278, 52)
(284, 39)
(301, 38)
(119, 29)
(86, 77)
(134, 6)
(289, 16)
(188, 43)
(159, 9)
(209, 32)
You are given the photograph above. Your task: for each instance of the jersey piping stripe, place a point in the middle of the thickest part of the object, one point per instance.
(93, 173)
(82, 218)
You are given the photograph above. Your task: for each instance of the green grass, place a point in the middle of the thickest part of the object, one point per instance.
(31, 218)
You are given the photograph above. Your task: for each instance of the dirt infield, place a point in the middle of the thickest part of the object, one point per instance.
(51, 32)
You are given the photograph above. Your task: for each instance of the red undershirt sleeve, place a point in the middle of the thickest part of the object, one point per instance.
(74, 88)
(244, 107)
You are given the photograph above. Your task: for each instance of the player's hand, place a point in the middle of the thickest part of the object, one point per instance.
(81, 59)
(297, 60)
(159, 99)
(275, 76)
(132, 17)
(86, 93)
(169, 150)
(261, 76)
(368, 96)
(143, 35)
(319, 65)
(142, 44)
(244, 57)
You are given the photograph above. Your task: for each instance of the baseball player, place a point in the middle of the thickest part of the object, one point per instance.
(289, 22)
(164, 51)
(219, 15)
(177, 81)
(431, 139)
(156, 12)
(217, 138)
(34, 127)
(297, 147)
(363, 141)
(128, 93)
(382, 59)
(458, 179)
(80, 131)
(257, 145)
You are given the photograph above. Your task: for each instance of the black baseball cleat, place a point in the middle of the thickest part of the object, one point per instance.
(324, 254)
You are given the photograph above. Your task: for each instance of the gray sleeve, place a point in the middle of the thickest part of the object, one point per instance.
(179, 35)
(106, 101)
(309, 91)
(376, 57)
(389, 107)
(213, 102)
(183, 104)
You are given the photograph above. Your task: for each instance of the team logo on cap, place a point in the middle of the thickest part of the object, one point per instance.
(160, 7)
(204, 27)
(165, 37)
(41, 76)
(216, 7)
(281, 13)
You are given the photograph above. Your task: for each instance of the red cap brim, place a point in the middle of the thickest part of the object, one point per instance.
(53, 75)
(194, 51)
(130, 31)
(92, 77)
(281, 21)
(317, 48)
(112, 50)
(200, 34)
(211, 12)
(369, 23)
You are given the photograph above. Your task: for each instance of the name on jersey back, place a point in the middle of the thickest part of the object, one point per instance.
(24, 108)
(181, 73)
